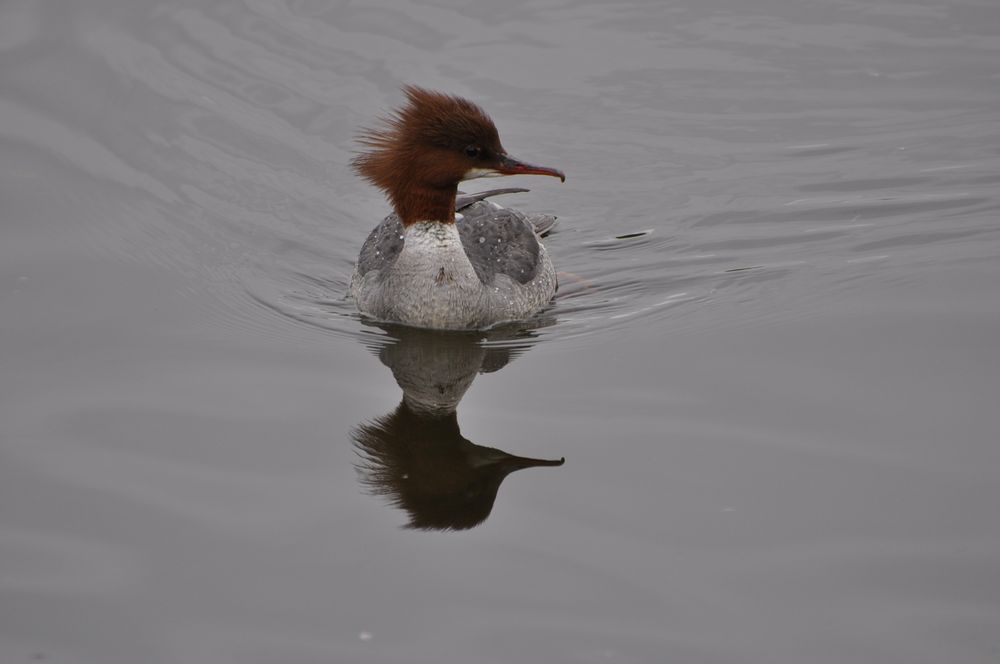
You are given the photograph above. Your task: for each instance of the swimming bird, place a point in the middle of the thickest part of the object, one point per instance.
(441, 260)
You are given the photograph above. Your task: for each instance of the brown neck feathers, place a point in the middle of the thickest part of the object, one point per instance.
(421, 202)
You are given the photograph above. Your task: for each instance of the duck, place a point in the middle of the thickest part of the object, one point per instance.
(442, 260)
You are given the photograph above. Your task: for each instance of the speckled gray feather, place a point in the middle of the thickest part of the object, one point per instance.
(382, 246)
(498, 241)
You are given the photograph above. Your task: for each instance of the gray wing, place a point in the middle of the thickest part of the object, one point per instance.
(499, 241)
(382, 246)
(543, 223)
(465, 200)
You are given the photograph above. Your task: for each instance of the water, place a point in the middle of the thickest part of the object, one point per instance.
(772, 369)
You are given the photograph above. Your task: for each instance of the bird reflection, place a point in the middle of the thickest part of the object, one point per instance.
(416, 455)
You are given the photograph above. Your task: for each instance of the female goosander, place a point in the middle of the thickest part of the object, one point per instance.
(425, 265)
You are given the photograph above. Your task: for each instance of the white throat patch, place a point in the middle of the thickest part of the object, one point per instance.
(474, 173)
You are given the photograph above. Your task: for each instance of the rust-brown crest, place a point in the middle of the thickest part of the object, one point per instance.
(423, 150)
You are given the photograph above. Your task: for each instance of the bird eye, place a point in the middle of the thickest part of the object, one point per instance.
(473, 151)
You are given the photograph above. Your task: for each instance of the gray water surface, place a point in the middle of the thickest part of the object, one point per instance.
(773, 367)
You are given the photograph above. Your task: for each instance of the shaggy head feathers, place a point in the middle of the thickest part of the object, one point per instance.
(427, 146)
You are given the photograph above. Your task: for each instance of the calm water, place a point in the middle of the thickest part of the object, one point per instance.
(773, 368)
